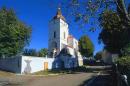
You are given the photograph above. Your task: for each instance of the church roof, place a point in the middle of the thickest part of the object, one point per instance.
(70, 36)
(59, 15)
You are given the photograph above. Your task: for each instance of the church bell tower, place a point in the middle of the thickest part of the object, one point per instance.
(58, 34)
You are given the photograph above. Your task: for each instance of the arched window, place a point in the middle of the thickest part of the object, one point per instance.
(54, 34)
(64, 35)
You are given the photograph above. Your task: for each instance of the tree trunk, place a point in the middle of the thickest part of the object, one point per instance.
(122, 9)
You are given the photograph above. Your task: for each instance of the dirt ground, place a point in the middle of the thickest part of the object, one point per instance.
(60, 80)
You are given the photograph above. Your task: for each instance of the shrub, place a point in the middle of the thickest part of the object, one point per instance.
(124, 64)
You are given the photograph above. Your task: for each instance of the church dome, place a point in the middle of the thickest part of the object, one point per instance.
(59, 15)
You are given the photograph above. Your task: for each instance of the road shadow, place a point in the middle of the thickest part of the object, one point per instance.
(107, 79)
(87, 81)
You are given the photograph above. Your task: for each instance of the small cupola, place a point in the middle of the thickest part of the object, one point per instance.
(59, 15)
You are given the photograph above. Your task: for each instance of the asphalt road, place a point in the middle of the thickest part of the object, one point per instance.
(102, 80)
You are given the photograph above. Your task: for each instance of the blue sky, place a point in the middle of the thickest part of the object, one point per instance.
(37, 14)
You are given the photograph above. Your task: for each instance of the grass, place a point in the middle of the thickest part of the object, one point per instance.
(49, 72)
(53, 72)
(4, 73)
(64, 71)
(60, 72)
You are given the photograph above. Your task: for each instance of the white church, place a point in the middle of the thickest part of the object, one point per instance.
(59, 36)
(60, 41)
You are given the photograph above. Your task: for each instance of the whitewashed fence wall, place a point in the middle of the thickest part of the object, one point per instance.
(20, 63)
(11, 64)
(36, 63)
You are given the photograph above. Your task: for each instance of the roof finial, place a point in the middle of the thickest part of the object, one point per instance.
(59, 13)
(59, 5)
(59, 10)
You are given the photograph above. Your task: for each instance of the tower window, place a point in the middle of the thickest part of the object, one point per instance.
(54, 44)
(54, 34)
(64, 35)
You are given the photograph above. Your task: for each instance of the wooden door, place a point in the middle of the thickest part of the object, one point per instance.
(45, 65)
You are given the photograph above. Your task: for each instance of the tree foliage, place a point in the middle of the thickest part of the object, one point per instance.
(14, 34)
(124, 64)
(43, 52)
(90, 11)
(115, 25)
(85, 10)
(30, 52)
(86, 46)
(33, 52)
(126, 50)
(115, 34)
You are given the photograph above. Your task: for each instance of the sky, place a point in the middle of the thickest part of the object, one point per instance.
(37, 14)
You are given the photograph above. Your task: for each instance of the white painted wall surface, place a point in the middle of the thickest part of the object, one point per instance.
(36, 63)
(11, 64)
(18, 64)
(75, 43)
(54, 26)
(63, 31)
(60, 28)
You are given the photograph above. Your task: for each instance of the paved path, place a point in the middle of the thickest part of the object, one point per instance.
(60, 80)
(104, 78)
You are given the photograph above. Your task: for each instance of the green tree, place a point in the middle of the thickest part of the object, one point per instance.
(86, 47)
(14, 34)
(33, 52)
(115, 34)
(98, 55)
(43, 52)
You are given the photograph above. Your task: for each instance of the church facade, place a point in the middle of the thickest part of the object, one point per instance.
(59, 36)
(62, 46)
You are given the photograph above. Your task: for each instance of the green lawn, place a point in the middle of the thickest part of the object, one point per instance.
(53, 72)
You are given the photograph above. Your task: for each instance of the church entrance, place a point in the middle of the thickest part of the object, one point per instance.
(45, 65)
